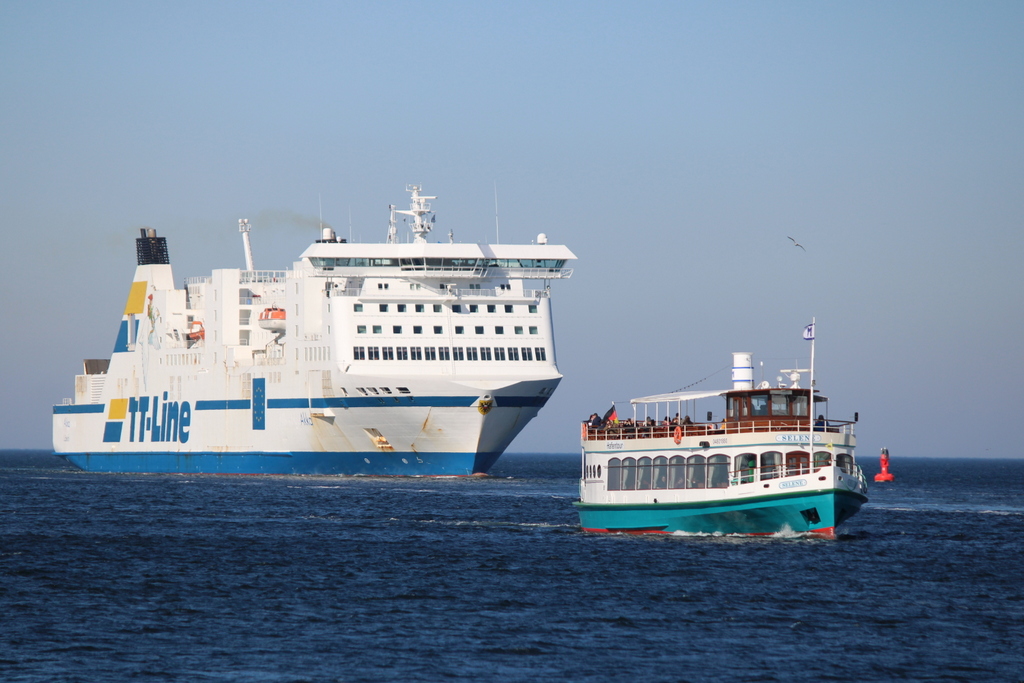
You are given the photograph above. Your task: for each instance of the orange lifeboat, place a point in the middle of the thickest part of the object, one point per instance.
(273, 319)
(196, 332)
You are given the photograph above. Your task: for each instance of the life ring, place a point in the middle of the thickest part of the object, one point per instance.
(677, 435)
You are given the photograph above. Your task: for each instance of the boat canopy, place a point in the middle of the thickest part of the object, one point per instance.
(693, 395)
(679, 396)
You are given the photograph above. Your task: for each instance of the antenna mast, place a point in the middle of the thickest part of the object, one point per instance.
(417, 209)
(392, 228)
(497, 232)
(243, 227)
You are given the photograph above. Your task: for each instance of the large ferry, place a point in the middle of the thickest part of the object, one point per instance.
(764, 466)
(396, 358)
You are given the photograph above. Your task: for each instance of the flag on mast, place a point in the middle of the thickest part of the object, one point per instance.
(611, 415)
(809, 332)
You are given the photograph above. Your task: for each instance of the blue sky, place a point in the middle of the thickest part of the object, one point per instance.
(672, 145)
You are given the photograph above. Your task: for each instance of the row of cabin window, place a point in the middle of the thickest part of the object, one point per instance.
(439, 329)
(446, 353)
(698, 471)
(438, 308)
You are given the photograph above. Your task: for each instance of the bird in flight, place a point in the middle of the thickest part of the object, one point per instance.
(795, 243)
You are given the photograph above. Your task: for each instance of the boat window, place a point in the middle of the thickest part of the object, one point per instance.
(745, 465)
(661, 472)
(696, 472)
(771, 465)
(614, 465)
(718, 472)
(780, 405)
(822, 459)
(628, 474)
(737, 406)
(677, 472)
(845, 462)
(797, 463)
(759, 404)
(643, 480)
(799, 405)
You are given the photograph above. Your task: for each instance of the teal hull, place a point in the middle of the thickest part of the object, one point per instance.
(818, 512)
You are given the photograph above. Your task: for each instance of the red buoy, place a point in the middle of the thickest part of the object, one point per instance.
(885, 474)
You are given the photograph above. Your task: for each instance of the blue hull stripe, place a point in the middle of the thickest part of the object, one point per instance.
(369, 463)
(346, 402)
(763, 515)
(79, 409)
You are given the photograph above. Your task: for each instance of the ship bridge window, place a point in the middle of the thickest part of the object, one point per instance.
(780, 404)
(759, 405)
(737, 407)
(799, 404)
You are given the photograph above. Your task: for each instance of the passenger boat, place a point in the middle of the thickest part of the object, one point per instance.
(410, 357)
(762, 466)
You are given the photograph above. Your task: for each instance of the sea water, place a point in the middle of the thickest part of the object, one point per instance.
(212, 578)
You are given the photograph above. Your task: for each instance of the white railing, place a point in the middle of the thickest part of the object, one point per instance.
(622, 430)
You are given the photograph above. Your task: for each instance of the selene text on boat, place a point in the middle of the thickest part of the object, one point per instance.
(763, 468)
(413, 358)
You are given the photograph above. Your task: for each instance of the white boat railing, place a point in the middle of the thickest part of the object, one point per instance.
(622, 430)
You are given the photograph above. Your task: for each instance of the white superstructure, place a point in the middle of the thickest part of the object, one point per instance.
(394, 358)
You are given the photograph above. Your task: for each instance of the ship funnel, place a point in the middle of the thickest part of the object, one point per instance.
(742, 370)
(150, 249)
